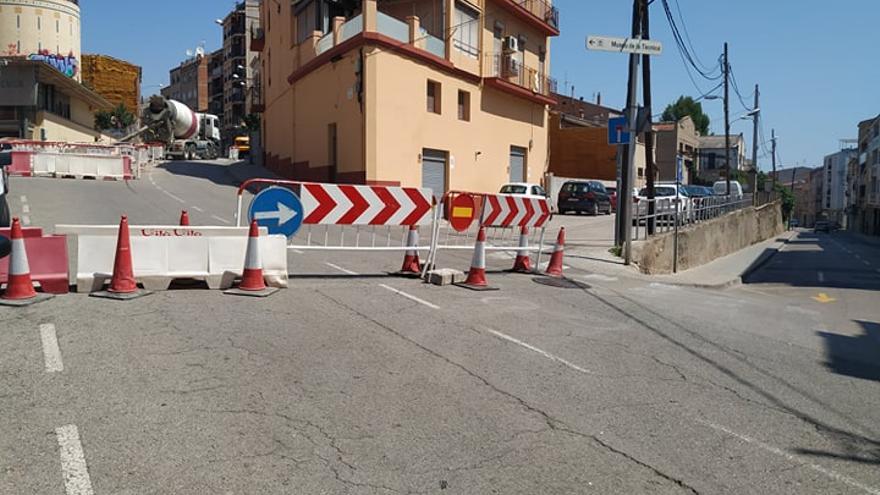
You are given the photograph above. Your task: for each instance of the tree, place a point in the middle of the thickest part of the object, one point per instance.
(118, 118)
(685, 105)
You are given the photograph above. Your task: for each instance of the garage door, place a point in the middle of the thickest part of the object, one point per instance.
(434, 171)
(517, 164)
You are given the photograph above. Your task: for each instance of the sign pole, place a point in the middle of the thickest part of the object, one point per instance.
(629, 174)
(678, 172)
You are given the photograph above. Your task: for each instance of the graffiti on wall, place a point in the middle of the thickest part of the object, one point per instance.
(66, 64)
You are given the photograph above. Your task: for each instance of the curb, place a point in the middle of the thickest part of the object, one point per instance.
(765, 257)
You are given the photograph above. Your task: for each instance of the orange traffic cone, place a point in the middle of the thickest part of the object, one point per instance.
(554, 268)
(252, 282)
(184, 218)
(122, 283)
(411, 263)
(19, 288)
(523, 263)
(476, 278)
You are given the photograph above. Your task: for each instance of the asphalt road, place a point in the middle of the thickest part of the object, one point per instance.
(351, 381)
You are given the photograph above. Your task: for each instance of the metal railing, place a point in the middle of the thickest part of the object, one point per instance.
(542, 9)
(506, 67)
(669, 213)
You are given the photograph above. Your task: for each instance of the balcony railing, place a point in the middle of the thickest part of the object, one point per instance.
(507, 68)
(542, 9)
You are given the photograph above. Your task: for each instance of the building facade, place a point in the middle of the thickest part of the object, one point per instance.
(118, 81)
(834, 185)
(446, 94)
(216, 83)
(238, 61)
(38, 102)
(674, 141)
(189, 82)
(44, 30)
(865, 180)
(712, 156)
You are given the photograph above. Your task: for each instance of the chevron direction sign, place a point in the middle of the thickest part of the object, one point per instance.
(333, 204)
(503, 210)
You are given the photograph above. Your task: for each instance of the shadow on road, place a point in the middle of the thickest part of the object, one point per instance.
(857, 356)
(224, 175)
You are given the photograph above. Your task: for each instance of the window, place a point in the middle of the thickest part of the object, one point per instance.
(464, 106)
(57, 26)
(467, 30)
(306, 21)
(434, 97)
(18, 21)
(39, 23)
(331, 150)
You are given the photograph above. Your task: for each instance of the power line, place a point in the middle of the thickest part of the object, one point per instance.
(686, 54)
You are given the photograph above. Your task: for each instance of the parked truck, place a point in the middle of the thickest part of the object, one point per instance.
(186, 134)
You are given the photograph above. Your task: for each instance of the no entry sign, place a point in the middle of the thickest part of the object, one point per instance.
(462, 212)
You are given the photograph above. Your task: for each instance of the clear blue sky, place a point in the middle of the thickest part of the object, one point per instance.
(817, 65)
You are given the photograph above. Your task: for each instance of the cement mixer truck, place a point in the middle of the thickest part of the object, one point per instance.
(186, 134)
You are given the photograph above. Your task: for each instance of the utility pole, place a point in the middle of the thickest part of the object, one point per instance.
(773, 154)
(624, 196)
(757, 110)
(727, 117)
(650, 166)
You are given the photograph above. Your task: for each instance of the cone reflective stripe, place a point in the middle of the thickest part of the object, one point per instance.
(123, 273)
(477, 274)
(184, 218)
(19, 285)
(523, 263)
(252, 277)
(411, 263)
(554, 268)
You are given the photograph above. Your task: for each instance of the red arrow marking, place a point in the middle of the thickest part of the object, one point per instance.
(391, 205)
(545, 213)
(530, 212)
(511, 203)
(325, 204)
(421, 209)
(358, 205)
(494, 210)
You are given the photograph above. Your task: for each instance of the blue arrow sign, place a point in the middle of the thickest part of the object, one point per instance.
(618, 131)
(278, 209)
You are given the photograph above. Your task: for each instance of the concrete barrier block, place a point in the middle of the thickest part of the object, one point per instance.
(446, 276)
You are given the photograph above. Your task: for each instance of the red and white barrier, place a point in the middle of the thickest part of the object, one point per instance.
(19, 288)
(333, 204)
(47, 257)
(503, 210)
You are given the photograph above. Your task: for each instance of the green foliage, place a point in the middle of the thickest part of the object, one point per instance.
(685, 105)
(118, 118)
(787, 200)
(252, 122)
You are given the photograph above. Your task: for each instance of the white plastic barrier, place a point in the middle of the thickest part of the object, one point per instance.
(161, 254)
(101, 166)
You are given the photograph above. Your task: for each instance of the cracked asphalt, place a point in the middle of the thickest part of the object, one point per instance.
(339, 386)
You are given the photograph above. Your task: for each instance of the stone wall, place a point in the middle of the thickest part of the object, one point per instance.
(707, 241)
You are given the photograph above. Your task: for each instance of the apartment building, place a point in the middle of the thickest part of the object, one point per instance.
(216, 83)
(834, 192)
(446, 94)
(189, 82)
(865, 210)
(44, 30)
(713, 156)
(677, 141)
(238, 62)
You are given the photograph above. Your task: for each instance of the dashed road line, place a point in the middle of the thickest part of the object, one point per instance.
(198, 209)
(297, 251)
(25, 208)
(821, 277)
(337, 267)
(73, 462)
(221, 219)
(23, 198)
(410, 296)
(25, 220)
(797, 459)
(172, 196)
(866, 262)
(51, 352)
(542, 352)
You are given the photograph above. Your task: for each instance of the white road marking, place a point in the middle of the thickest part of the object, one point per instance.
(25, 220)
(221, 219)
(297, 251)
(25, 208)
(821, 277)
(176, 198)
(866, 262)
(600, 277)
(23, 198)
(544, 353)
(198, 209)
(51, 352)
(410, 297)
(337, 267)
(73, 462)
(801, 461)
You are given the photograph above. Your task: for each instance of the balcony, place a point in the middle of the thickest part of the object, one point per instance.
(540, 13)
(258, 39)
(505, 73)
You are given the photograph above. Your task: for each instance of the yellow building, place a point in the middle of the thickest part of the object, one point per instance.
(46, 30)
(447, 94)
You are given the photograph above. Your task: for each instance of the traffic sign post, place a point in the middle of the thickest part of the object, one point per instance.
(624, 45)
(278, 209)
(618, 131)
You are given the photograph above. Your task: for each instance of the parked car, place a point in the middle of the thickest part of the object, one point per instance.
(794, 222)
(527, 190)
(666, 195)
(699, 191)
(822, 226)
(720, 188)
(584, 197)
(5, 160)
(612, 194)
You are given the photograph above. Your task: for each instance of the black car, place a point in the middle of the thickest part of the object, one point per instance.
(584, 196)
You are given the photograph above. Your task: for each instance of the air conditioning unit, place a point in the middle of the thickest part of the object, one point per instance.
(511, 44)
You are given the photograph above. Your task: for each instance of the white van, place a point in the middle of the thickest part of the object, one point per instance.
(720, 188)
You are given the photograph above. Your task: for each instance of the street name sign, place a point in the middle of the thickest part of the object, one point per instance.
(624, 45)
(278, 209)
